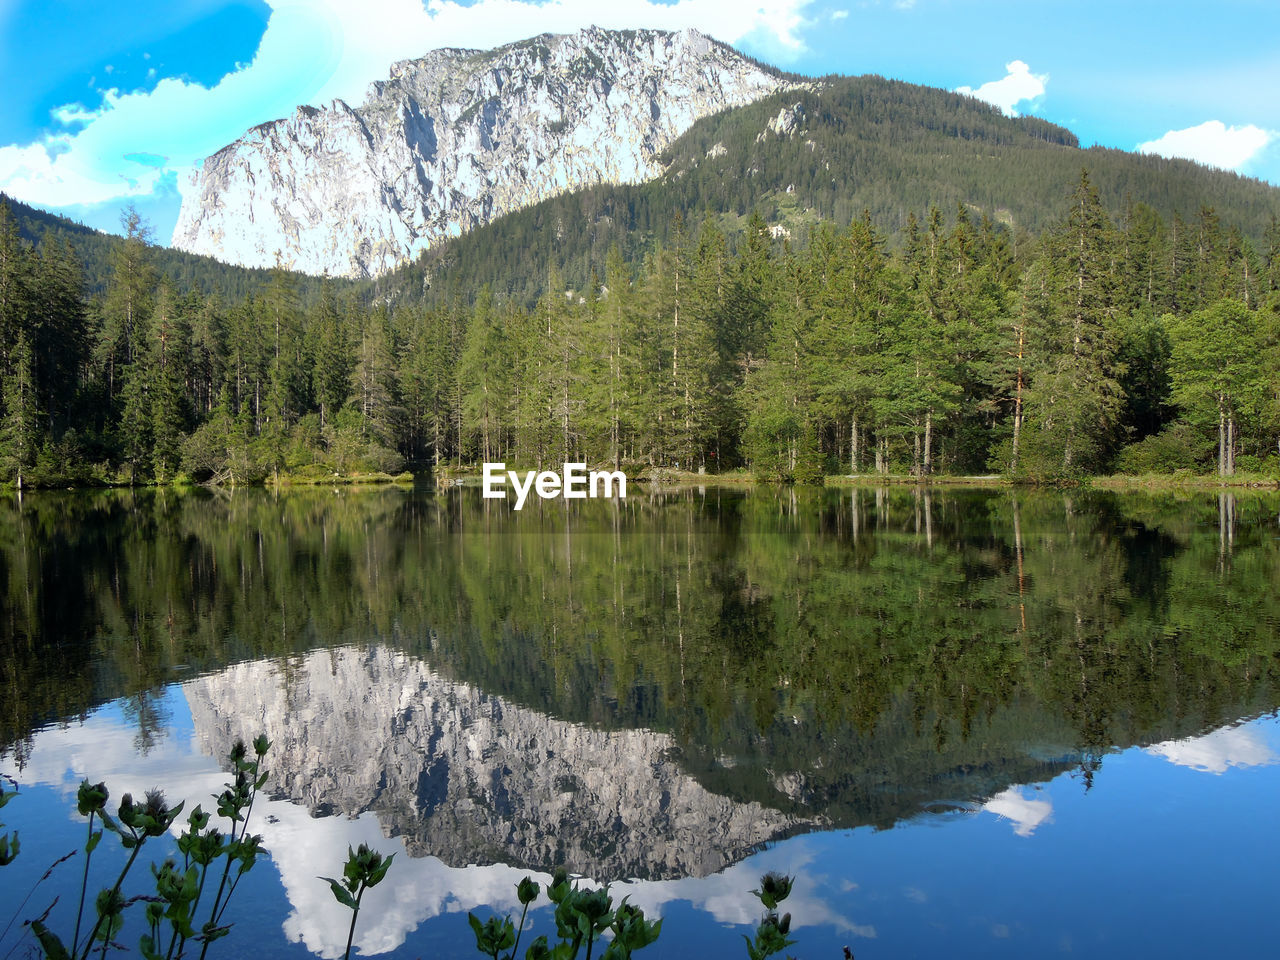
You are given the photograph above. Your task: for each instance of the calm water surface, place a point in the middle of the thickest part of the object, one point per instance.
(973, 723)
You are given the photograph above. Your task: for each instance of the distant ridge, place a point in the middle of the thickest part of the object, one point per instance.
(93, 248)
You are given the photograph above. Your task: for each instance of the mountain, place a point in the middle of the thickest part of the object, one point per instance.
(454, 140)
(827, 153)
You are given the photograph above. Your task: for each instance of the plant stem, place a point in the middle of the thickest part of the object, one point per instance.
(137, 848)
(213, 914)
(352, 931)
(84, 884)
(195, 904)
(220, 905)
(520, 932)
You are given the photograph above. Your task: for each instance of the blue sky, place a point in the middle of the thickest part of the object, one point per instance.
(110, 104)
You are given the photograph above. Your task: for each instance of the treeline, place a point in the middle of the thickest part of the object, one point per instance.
(1132, 345)
(1107, 344)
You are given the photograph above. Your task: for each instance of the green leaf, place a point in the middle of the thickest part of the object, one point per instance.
(49, 942)
(340, 892)
(538, 950)
(94, 839)
(147, 947)
(8, 848)
(352, 868)
(211, 932)
(376, 876)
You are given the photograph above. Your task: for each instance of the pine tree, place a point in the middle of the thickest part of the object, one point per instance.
(331, 356)
(15, 287)
(720, 374)
(20, 432)
(1076, 400)
(482, 380)
(134, 428)
(169, 348)
(620, 352)
(1272, 259)
(287, 383)
(61, 335)
(126, 303)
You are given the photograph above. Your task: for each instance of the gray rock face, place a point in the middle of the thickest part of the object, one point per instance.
(453, 140)
(470, 778)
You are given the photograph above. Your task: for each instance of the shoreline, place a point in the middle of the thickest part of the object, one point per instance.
(680, 479)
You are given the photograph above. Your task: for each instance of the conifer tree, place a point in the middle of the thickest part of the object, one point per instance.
(15, 287)
(331, 356)
(60, 341)
(1076, 397)
(134, 428)
(482, 370)
(20, 432)
(169, 348)
(126, 304)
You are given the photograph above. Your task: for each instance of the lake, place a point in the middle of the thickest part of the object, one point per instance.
(971, 722)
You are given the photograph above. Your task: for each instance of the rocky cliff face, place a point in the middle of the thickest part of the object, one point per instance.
(469, 778)
(454, 140)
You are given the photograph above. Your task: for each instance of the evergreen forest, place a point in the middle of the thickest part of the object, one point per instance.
(1114, 340)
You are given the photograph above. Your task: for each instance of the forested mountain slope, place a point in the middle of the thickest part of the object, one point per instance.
(850, 144)
(94, 249)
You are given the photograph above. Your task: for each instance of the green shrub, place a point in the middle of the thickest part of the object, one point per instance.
(1178, 447)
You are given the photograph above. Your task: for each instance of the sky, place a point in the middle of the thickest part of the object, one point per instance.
(107, 105)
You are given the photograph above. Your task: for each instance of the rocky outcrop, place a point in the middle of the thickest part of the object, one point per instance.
(453, 140)
(470, 778)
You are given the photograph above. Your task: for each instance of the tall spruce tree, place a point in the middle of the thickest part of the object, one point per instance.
(20, 430)
(1075, 403)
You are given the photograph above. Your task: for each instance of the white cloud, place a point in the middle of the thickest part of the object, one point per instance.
(313, 52)
(1018, 85)
(1212, 143)
(1217, 751)
(839, 15)
(1026, 812)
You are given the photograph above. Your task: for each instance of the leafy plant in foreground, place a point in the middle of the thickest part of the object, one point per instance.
(582, 918)
(179, 889)
(365, 868)
(771, 935)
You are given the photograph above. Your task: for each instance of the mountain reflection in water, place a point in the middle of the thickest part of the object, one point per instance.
(471, 778)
